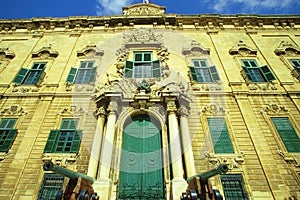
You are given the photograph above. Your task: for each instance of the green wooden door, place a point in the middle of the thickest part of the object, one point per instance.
(141, 175)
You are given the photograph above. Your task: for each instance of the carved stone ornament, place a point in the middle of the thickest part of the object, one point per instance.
(13, 110)
(275, 108)
(24, 89)
(261, 87)
(232, 160)
(242, 49)
(6, 53)
(145, 9)
(195, 48)
(213, 109)
(45, 53)
(290, 159)
(287, 48)
(142, 38)
(73, 110)
(90, 51)
(61, 159)
(205, 87)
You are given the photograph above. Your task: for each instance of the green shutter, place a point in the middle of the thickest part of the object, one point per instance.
(156, 69)
(52, 183)
(76, 141)
(72, 75)
(246, 74)
(128, 71)
(219, 135)
(287, 133)
(193, 73)
(40, 78)
(267, 73)
(21, 76)
(214, 73)
(8, 140)
(93, 75)
(50, 145)
(233, 187)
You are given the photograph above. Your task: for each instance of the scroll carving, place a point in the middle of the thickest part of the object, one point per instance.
(13, 110)
(45, 53)
(242, 49)
(287, 48)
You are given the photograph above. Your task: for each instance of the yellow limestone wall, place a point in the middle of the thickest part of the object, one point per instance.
(267, 174)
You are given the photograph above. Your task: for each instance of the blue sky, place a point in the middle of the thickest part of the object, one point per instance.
(63, 8)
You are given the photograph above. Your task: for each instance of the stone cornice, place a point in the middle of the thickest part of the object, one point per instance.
(176, 21)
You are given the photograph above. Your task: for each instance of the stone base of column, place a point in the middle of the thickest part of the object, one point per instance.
(178, 186)
(103, 187)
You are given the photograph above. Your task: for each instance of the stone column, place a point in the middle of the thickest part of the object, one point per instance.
(186, 142)
(178, 183)
(103, 185)
(95, 151)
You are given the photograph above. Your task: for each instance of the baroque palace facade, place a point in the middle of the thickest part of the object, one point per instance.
(143, 100)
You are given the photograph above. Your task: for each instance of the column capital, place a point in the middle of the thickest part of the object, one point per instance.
(171, 107)
(100, 112)
(183, 111)
(112, 107)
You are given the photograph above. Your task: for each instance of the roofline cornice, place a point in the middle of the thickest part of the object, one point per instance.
(200, 20)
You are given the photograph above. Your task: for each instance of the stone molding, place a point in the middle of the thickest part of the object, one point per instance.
(90, 51)
(213, 109)
(242, 49)
(45, 52)
(6, 53)
(61, 159)
(286, 48)
(145, 9)
(195, 49)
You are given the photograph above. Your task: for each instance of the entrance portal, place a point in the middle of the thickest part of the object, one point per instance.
(141, 173)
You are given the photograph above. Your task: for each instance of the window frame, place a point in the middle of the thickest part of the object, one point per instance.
(216, 151)
(83, 74)
(241, 184)
(136, 68)
(65, 139)
(254, 73)
(280, 137)
(32, 76)
(203, 74)
(7, 134)
(56, 184)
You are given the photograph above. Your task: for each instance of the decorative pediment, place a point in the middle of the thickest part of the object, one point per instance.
(13, 110)
(6, 53)
(242, 49)
(195, 48)
(144, 9)
(45, 53)
(91, 50)
(287, 48)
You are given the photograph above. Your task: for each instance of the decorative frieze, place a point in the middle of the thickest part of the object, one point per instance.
(232, 160)
(13, 110)
(262, 87)
(144, 10)
(274, 109)
(73, 110)
(213, 109)
(61, 159)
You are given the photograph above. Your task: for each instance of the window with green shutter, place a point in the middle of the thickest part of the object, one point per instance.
(201, 72)
(296, 64)
(287, 133)
(253, 72)
(7, 133)
(233, 187)
(65, 140)
(219, 135)
(31, 76)
(52, 183)
(142, 66)
(86, 73)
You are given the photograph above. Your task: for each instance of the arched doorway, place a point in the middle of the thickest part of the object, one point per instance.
(141, 172)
